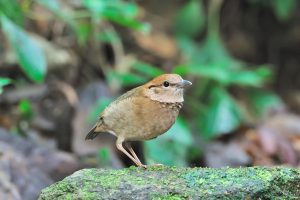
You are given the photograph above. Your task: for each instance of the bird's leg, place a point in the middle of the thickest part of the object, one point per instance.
(128, 145)
(121, 148)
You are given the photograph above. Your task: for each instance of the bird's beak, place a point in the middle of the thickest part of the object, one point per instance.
(185, 83)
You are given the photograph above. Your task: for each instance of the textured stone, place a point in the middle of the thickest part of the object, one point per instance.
(178, 183)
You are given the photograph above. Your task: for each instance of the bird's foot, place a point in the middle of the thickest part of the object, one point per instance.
(142, 165)
(153, 165)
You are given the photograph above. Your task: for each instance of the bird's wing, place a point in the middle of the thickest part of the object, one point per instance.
(98, 126)
(135, 92)
(131, 93)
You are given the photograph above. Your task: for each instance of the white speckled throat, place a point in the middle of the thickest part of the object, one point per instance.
(171, 94)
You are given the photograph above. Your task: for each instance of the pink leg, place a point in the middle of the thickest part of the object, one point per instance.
(121, 148)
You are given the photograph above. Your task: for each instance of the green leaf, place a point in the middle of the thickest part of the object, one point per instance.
(190, 20)
(147, 69)
(12, 10)
(188, 47)
(95, 6)
(130, 79)
(29, 54)
(261, 102)
(55, 7)
(125, 21)
(182, 70)
(225, 76)
(121, 12)
(212, 51)
(255, 77)
(112, 8)
(4, 82)
(25, 109)
(83, 32)
(211, 54)
(126, 9)
(172, 147)
(127, 79)
(283, 8)
(109, 36)
(222, 115)
(104, 157)
(96, 109)
(213, 72)
(83, 29)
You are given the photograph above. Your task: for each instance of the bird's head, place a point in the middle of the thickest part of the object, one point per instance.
(166, 88)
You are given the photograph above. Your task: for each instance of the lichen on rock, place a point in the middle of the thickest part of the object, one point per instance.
(178, 183)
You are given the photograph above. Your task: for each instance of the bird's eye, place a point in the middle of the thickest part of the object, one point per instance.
(166, 84)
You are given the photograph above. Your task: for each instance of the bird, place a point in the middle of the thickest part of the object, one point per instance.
(142, 113)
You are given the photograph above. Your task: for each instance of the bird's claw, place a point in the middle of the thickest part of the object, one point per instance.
(153, 165)
(146, 166)
(143, 166)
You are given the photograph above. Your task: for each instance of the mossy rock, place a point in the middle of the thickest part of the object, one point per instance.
(178, 183)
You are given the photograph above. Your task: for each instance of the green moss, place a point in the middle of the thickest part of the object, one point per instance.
(137, 181)
(68, 197)
(263, 174)
(110, 181)
(106, 179)
(157, 168)
(161, 182)
(167, 197)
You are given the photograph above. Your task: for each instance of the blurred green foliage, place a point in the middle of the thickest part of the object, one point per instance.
(282, 9)
(118, 11)
(212, 106)
(4, 82)
(262, 101)
(25, 109)
(12, 10)
(222, 114)
(171, 148)
(29, 54)
(193, 13)
(217, 71)
(104, 157)
(215, 109)
(138, 74)
(96, 109)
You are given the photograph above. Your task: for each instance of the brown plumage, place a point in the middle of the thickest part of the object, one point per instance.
(142, 113)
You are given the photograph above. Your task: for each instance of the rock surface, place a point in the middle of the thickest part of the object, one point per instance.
(178, 183)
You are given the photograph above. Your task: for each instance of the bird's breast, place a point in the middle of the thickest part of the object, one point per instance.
(141, 118)
(158, 118)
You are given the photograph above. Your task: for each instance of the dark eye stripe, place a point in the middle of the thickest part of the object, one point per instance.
(170, 84)
(151, 86)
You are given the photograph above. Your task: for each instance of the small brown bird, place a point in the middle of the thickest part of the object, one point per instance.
(142, 113)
